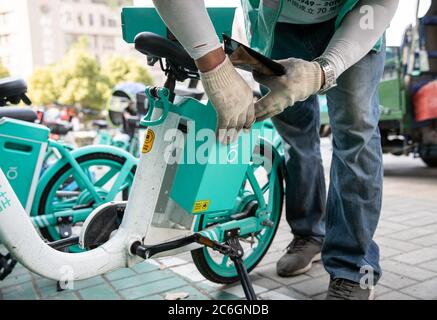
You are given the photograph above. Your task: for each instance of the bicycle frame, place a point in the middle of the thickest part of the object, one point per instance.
(22, 240)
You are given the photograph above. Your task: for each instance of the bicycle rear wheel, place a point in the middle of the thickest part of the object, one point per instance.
(220, 269)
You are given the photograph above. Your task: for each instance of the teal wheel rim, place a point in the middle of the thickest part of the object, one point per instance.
(102, 173)
(222, 265)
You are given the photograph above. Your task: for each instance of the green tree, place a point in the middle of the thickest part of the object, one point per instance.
(42, 90)
(119, 69)
(78, 78)
(75, 80)
(3, 71)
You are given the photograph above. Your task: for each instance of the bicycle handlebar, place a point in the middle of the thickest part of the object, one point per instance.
(154, 96)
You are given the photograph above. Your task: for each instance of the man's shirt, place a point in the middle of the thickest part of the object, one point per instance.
(310, 11)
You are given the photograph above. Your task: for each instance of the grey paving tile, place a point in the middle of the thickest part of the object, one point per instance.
(156, 297)
(147, 289)
(424, 221)
(380, 290)
(428, 240)
(418, 256)
(410, 234)
(100, 292)
(145, 267)
(170, 262)
(15, 279)
(392, 225)
(238, 291)
(210, 286)
(411, 272)
(403, 246)
(395, 295)
(408, 216)
(430, 265)
(425, 290)
(142, 279)
(267, 283)
(275, 295)
(120, 274)
(23, 291)
(188, 271)
(312, 286)
(293, 294)
(65, 296)
(222, 295)
(387, 252)
(395, 281)
(269, 271)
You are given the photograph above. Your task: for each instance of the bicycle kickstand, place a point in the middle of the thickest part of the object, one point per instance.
(236, 255)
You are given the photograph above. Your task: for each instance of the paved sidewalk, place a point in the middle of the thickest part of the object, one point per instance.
(407, 236)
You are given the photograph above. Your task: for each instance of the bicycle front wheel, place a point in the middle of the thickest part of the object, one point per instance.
(65, 191)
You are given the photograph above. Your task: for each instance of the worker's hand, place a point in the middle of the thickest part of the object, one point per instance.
(232, 98)
(302, 80)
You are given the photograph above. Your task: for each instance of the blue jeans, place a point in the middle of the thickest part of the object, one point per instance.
(347, 221)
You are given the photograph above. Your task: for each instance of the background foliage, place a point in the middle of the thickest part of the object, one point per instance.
(79, 79)
(3, 71)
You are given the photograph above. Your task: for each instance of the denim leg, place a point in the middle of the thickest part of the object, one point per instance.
(299, 127)
(355, 194)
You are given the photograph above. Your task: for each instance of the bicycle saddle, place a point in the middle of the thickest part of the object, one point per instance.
(24, 114)
(13, 90)
(155, 46)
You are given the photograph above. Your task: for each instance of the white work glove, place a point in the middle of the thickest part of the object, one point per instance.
(232, 98)
(302, 80)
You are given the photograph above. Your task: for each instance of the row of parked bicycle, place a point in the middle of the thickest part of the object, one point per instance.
(60, 185)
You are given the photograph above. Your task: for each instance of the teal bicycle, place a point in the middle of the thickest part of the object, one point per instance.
(190, 193)
(73, 182)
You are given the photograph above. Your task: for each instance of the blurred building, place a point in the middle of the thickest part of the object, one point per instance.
(39, 32)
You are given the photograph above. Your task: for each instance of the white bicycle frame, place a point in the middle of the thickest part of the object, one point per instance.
(21, 238)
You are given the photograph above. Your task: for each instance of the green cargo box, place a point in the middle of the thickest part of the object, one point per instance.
(137, 19)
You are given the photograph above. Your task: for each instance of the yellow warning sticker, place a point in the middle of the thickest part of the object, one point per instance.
(149, 141)
(201, 206)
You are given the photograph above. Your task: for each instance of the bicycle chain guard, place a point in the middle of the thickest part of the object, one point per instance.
(101, 224)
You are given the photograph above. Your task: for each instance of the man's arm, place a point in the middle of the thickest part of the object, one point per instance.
(356, 37)
(228, 92)
(189, 21)
(350, 43)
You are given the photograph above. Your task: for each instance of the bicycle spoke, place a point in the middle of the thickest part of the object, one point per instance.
(106, 178)
(120, 181)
